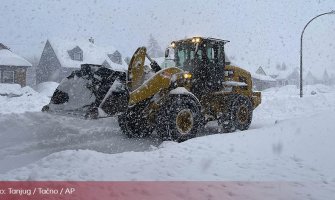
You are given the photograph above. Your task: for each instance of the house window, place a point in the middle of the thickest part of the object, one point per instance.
(77, 56)
(8, 76)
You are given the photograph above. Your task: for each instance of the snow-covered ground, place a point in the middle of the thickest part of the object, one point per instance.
(290, 139)
(15, 99)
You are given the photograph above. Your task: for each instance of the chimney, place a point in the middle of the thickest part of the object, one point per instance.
(91, 40)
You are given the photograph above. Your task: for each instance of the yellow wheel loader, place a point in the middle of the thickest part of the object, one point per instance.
(175, 101)
(178, 100)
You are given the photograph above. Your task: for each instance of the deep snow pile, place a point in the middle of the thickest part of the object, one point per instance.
(281, 103)
(14, 99)
(290, 139)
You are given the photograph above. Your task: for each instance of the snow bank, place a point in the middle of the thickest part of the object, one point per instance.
(10, 89)
(294, 91)
(285, 102)
(14, 99)
(46, 88)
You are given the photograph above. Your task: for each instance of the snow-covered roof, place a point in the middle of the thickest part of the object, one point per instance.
(92, 53)
(9, 58)
(117, 66)
(252, 69)
(261, 77)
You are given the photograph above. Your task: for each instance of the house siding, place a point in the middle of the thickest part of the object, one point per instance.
(49, 67)
(19, 73)
(262, 85)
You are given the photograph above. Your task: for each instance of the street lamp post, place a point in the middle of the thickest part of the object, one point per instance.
(302, 35)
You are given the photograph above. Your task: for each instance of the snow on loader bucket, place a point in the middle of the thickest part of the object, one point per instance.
(93, 91)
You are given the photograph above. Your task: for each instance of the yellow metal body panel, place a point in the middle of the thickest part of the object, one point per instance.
(240, 75)
(217, 102)
(255, 97)
(161, 80)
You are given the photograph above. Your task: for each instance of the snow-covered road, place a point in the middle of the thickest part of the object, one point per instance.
(291, 139)
(31, 136)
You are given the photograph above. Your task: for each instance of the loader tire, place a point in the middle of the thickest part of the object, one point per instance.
(238, 115)
(180, 119)
(133, 124)
(242, 113)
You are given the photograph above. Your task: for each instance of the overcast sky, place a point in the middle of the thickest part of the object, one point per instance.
(261, 32)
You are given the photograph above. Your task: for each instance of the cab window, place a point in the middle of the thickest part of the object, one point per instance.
(211, 52)
(215, 53)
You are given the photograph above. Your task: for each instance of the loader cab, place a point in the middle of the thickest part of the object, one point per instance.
(204, 58)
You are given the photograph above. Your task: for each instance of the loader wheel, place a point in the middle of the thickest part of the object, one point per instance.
(239, 115)
(133, 124)
(180, 119)
(242, 113)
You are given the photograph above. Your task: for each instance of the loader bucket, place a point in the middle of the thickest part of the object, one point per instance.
(93, 91)
(136, 69)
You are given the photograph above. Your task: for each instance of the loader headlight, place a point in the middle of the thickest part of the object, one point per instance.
(196, 40)
(173, 45)
(187, 75)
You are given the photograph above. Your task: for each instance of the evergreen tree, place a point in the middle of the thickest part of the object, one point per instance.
(325, 78)
(153, 48)
(278, 66)
(332, 79)
(283, 66)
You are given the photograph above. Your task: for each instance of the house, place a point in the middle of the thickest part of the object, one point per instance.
(260, 71)
(288, 77)
(261, 80)
(284, 76)
(13, 68)
(60, 57)
(310, 79)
